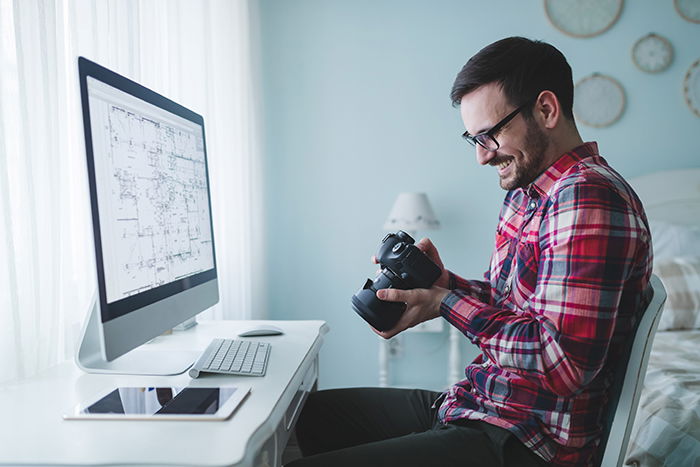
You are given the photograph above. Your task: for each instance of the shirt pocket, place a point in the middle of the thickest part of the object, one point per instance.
(501, 261)
(525, 272)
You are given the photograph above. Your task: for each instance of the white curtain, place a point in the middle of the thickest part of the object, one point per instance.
(198, 53)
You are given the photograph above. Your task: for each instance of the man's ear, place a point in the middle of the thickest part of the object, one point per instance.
(547, 109)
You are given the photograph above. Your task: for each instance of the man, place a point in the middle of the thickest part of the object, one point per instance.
(568, 275)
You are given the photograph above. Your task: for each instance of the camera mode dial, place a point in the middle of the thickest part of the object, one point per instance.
(398, 247)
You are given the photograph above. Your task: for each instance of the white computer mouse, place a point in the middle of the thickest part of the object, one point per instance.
(261, 330)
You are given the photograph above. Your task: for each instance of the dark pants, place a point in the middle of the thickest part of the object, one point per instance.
(397, 427)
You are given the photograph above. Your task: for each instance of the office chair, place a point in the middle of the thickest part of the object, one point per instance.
(629, 381)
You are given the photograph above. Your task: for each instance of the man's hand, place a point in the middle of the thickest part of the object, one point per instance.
(421, 305)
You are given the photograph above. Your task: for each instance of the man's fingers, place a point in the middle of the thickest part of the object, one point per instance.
(392, 295)
(385, 334)
(389, 333)
(427, 247)
(425, 244)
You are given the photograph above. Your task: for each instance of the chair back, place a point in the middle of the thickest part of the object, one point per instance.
(629, 381)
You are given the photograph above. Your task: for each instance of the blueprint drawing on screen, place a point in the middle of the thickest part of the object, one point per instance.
(155, 195)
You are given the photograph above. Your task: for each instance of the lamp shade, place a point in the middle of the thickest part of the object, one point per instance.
(411, 212)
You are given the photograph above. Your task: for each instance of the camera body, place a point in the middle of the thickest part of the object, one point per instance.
(403, 266)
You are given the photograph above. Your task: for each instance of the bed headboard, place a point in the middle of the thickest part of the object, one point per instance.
(672, 196)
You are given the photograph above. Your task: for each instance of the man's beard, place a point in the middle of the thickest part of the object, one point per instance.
(528, 168)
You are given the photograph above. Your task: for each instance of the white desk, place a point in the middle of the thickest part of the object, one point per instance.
(254, 436)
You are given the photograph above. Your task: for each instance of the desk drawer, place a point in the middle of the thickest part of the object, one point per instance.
(292, 412)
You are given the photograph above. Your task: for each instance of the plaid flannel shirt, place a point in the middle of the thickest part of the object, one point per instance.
(568, 274)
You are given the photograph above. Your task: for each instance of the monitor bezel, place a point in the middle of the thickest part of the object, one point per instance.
(124, 306)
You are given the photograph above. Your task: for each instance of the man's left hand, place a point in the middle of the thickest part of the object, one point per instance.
(421, 305)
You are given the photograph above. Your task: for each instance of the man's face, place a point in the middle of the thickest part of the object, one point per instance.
(522, 143)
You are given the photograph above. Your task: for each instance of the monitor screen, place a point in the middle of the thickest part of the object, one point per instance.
(152, 198)
(152, 193)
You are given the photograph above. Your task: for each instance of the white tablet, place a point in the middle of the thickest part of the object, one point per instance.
(162, 403)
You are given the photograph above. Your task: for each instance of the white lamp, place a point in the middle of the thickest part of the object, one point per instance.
(411, 212)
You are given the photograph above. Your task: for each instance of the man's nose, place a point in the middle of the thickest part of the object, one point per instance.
(483, 155)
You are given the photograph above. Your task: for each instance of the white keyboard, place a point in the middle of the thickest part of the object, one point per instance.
(233, 357)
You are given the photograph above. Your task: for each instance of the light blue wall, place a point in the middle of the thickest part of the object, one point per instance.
(356, 110)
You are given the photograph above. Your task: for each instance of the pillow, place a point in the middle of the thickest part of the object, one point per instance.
(674, 240)
(681, 278)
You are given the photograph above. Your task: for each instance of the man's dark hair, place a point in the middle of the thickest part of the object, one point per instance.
(523, 68)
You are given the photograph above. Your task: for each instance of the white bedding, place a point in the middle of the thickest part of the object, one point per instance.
(667, 427)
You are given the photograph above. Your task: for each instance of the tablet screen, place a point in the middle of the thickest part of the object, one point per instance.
(162, 401)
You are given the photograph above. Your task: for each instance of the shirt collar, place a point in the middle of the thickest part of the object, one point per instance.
(545, 181)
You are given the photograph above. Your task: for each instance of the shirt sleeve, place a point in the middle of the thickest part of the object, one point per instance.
(481, 290)
(590, 239)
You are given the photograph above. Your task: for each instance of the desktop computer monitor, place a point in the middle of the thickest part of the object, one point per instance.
(152, 223)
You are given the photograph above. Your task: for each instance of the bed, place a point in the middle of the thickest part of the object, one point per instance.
(666, 431)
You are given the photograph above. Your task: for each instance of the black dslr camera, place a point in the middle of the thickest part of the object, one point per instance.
(403, 266)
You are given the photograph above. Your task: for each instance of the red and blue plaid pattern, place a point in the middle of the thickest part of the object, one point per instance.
(569, 272)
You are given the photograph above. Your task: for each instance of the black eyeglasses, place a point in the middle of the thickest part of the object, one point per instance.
(486, 139)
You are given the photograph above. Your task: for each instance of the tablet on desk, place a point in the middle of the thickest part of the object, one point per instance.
(163, 403)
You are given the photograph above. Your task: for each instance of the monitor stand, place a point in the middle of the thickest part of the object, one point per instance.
(90, 358)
